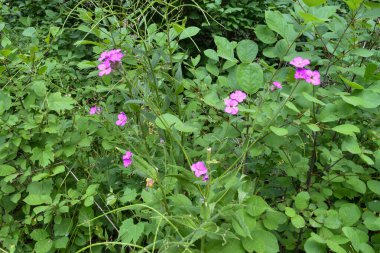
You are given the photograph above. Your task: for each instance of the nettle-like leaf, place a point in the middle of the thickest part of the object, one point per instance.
(58, 103)
(130, 232)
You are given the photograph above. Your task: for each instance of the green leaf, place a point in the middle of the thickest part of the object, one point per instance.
(225, 48)
(210, 53)
(86, 64)
(44, 157)
(346, 129)
(311, 246)
(228, 246)
(43, 246)
(189, 32)
(302, 200)
(351, 84)
(277, 22)
(332, 220)
(39, 88)
(262, 242)
(2, 25)
(256, 205)
(310, 17)
(357, 184)
(39, 234)
(61, 243)
(250, 77)
(130, 232)
(362, 52)
(298, 221)
(239, 224)
(168, 120)
(279, 131)
(374, 186)
(351, 145)
(273, 219)
(59, 169)
(6, 170)
(264, 34)
(5, 102)
(35, 200)
(314, 2)
(313, 127)
(312, 99)
(247, 51)
(365, 99)
(29, 32)
(356, 236)
(353, 4)
(290, 212)
(58, 103)
(349, 214)
(335, 247)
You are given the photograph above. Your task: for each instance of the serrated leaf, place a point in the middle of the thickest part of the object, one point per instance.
(58, 103)
(44, 157)
(225, 49)
(130, 232)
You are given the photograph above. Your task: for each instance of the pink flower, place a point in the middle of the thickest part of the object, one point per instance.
(298, 62)
(277, 85)
(127, 158)
(231, 110)
(105, 68)
(95, 110)
(122, 119)
(238, 95)
(230, 102)
(199, 169)
(109, 61)
(313, 77)
(300, 74)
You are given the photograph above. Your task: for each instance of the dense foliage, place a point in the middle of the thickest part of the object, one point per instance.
(189, 126)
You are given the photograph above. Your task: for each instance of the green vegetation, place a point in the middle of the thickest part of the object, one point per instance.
(219, 126)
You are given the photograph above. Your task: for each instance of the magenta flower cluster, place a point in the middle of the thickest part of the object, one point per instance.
(109, 60)
(308, 75)
(200, 170)
(127, 158)
(233, 101)
(121, 119)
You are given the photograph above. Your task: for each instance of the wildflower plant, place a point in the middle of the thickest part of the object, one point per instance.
(268, 144)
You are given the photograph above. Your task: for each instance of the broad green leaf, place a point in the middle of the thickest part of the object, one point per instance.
(229, 246)
(39, 88)
(212, 99)
(35, 200)
(58, 103)
(346, 129)
(314, 2)
(6, 170)
(5, 102)
(247, 51)
(357, 184)
(351, 84)
(262, 242)
(239, 224)
(349, 214)
(277, 22)
(302, 200)
(43, 246)
(279, 131)
(351, 145)
(59, 169)
(144, 168)
(210, 53)
(356, 236)
(311, 246)
(298, 221)
(264, 34)
(29, 32)
(256, 205)
(292, 106)
(290, 212)
(332, 220)
(353, 4)
(44, 157)
(374, 186)
(310, 17)
(335, 247)
(313, 127)
(362, 52)
(312, 99)
(189, 32)
(367, 159)
(167, 120)
(2, 25)
(130, 232)
(86, 64)
(273, 219)
(364, 98)
(39, 234)
(225, 49)
(250, 77)
(61, 243)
